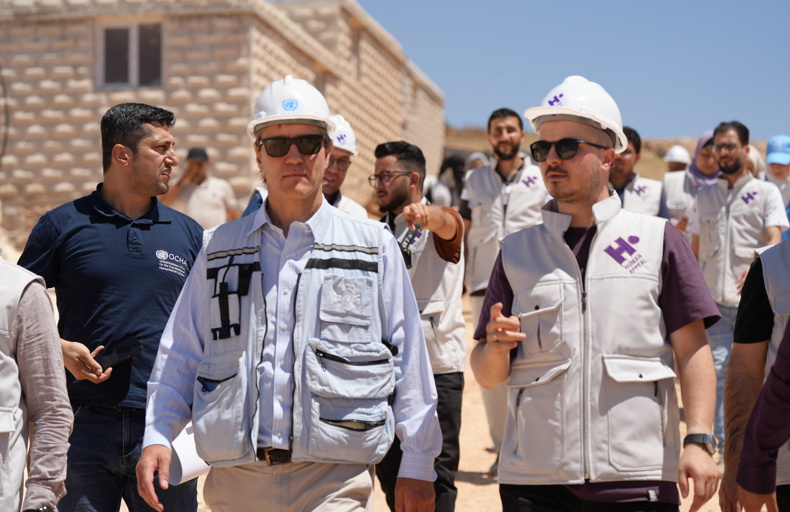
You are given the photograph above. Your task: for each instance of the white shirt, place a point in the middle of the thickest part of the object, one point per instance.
(282, 261)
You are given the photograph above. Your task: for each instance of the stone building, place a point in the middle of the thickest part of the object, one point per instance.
(64, 62)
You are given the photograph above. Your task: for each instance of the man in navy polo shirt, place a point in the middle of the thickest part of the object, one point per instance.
(117, 260)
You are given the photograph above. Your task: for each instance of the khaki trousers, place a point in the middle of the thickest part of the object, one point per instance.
(291, 487)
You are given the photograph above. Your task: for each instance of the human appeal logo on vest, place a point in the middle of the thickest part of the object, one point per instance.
(625, 254)
(748, 197)
(172, 263)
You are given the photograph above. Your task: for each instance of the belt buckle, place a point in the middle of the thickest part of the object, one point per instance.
(270, 461)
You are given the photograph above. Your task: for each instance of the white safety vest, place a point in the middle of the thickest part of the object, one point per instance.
(13, 412)
(342, 367)
(642, 195)
(438, 286)
(591, 393)
(731, 227)
(679, 192)
(499, 209)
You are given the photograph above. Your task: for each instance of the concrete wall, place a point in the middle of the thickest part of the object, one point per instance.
(217, 57)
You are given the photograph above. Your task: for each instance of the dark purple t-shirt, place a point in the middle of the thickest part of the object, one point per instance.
(684, 299)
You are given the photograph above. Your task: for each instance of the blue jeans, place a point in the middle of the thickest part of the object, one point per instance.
(106, 444)
(720, 339)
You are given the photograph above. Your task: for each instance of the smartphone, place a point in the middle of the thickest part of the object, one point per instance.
(116, 353)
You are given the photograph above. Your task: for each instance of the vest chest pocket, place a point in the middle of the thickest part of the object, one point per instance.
(640, 406)
(345, 310)
(351, 387)
(540, 311)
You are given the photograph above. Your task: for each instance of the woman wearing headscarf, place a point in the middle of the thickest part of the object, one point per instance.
(681, 187)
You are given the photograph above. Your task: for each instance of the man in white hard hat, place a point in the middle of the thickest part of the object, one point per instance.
(345, 147)
(498, 199)
(677, 158)
(430, 238)
(637, 193)
(296, 348)
(584, 317)
(729, 220)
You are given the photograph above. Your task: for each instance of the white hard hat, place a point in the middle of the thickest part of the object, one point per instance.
(343, 136)
(578, 99)
(678, 154)
(290, 100)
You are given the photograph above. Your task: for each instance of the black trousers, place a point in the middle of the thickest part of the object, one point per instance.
(557, 498)
(450, 390)
(783, 497)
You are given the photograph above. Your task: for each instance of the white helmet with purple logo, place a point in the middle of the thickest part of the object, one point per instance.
(578, 99)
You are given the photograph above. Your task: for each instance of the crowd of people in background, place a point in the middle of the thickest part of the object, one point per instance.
(310, 349)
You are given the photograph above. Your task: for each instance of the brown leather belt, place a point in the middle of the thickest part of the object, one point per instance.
(273, 456)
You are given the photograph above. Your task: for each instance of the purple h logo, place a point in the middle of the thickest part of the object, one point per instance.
(640, 190)
(748, 197)
(621, 246)
(341, 138)
(529, 181)
(555, 100)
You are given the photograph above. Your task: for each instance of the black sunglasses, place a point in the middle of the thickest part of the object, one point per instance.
(279, 146)
(566, 148)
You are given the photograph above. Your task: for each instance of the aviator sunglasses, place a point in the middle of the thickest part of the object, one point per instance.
(566, 148)
(279, 146)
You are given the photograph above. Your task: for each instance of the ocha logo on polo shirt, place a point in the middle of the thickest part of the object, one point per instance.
(172, 262)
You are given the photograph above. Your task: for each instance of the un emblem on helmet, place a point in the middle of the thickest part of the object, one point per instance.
(290, 104)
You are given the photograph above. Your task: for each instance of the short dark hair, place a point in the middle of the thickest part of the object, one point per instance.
(634, 138)
(504, 112)
(409, 156)
(740, 129)
(125, 124)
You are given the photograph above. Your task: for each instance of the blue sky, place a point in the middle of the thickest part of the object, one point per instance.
(675, 68)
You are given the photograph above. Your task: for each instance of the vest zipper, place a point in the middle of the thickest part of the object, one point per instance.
(725, 251)
(340, 359)
(583, 356)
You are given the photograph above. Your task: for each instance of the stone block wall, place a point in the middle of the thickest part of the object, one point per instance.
(218, 55)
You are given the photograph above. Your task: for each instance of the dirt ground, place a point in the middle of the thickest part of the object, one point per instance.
(477, 491)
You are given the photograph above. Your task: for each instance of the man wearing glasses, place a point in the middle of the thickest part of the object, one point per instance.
(583, 317)
(430, 239)
(498, 200)
(728, 221)
(296, 349)
(345, 146)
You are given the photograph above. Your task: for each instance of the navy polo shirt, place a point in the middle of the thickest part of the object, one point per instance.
(113, 277)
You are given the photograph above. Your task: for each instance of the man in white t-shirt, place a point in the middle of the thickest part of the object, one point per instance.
(728, 221)
(208, 200)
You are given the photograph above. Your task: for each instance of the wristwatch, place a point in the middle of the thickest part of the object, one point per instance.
(706, 440)
(45, 508)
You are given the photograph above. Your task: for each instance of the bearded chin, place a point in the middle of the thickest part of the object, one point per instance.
(731, 169)
(510, 155)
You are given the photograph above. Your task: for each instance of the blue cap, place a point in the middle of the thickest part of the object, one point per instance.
(778, 150)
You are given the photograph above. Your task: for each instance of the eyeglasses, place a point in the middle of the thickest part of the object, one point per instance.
(342, 163)
(566, 148)
(721, 148)
(384, 177)
(279, 146)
